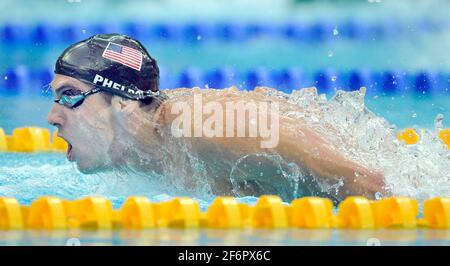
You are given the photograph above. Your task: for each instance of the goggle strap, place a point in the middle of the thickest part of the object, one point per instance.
(141, 95)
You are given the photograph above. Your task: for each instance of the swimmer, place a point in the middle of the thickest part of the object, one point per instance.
(110, 110)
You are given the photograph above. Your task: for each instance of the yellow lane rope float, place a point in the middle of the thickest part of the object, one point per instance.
(444, 135)
(270, 212)
(409, 136)
(31, 139)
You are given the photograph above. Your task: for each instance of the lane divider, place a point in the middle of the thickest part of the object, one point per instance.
(409, 136)
(24, 79)
(35, 139)
(311, 212)
(224, 31)
(270, 212)
(31, 139)
(444, 135)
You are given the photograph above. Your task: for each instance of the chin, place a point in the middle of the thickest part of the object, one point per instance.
(92, 167)
(88, 169)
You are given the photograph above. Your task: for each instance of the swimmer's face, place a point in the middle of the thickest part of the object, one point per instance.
(86, 128)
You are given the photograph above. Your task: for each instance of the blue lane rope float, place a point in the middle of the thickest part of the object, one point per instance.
(315, 31)
(285, 79)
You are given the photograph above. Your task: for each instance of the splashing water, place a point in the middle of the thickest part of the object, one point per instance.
(419, 171)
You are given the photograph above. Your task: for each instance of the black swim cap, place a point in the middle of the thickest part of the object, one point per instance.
(115, 62)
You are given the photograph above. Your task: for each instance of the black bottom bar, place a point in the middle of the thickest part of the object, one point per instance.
(223, 255)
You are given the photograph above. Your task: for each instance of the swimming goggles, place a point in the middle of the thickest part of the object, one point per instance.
(73, 101)
(76, 99)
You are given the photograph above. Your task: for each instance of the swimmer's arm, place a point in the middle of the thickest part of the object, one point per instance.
(307, 148)
(299, 144)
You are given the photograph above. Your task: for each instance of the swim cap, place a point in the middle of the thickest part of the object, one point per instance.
(115, 62)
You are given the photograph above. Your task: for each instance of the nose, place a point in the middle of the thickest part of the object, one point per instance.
(56, 116)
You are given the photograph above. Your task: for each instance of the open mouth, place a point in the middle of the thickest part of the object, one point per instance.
(69, 153)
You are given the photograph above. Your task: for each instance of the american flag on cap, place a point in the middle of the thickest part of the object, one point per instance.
(125, 55)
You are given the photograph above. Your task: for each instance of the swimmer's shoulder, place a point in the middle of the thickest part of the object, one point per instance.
(176, 98)
(186, 94)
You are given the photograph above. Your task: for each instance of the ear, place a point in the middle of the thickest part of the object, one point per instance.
(124, 106)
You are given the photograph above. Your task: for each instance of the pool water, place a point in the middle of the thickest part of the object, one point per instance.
(260, 237)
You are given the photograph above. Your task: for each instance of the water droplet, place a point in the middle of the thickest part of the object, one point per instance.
(330, 53)
(375, 97)
(199, 37)
(335, 31)
(73, 242)
(6, 77)
(414, 115)
(378, 195)
(333, 78)
(373, 242)
(438, 122)
(83, 31)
